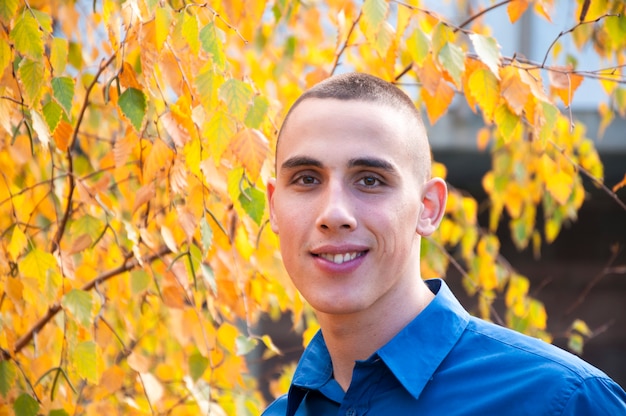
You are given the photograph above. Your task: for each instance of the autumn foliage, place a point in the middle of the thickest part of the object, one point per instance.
(135, 141)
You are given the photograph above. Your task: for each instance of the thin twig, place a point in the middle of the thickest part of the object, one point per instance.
(345, 44)
(571, 29)
(482, 12)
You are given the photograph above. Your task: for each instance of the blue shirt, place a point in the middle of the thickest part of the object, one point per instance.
(446, 362)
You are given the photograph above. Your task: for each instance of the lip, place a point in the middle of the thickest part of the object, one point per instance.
(339, 259)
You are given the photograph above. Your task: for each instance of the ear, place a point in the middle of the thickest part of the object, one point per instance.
(271, 188)
(434, 197)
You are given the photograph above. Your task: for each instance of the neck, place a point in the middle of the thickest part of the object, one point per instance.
(356, 336)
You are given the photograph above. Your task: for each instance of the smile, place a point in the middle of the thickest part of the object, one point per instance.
(341, 258)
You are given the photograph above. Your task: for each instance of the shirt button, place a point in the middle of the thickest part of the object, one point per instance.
(351, 412)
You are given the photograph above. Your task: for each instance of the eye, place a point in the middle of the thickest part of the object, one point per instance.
(369, 181)
(305, 180)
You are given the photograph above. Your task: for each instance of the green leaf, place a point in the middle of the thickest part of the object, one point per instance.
(7, 377)
(452, 58)
(374, 13)
(89, 225)
(256, 112)
(253, 202)
(85, 359)
(37, 264)
(58, 412)
(75, 56)
(220, 129)
(419, 46)
(139, 281)
(52, 113)
(237, 95)
(44, 20)
(80, 304)
(133, 105)
(212, 44)
(206, 233)
(27, 37)
(190, 32)
(63, 91)
(25, 406)
(197, 365)
(488, 51)
(205, 84)
(32, 75)
(8, 9)
(209, 277)
(441, 36)
(245, 344)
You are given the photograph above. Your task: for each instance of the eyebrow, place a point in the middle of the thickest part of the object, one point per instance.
(372, 162)
(367, 162)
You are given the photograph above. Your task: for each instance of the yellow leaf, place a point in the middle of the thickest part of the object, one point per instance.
(560, 186)
(484, 90)
(219, 129)
(251, 149)
(516, 9)
(38, 264)
(18, 243)
(552, 229)
(487, 273)
(470, 210)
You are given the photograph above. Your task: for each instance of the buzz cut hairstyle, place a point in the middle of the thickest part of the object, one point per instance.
(358, 86)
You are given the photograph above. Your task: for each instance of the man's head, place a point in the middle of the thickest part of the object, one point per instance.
(353, 195)
(356, 86)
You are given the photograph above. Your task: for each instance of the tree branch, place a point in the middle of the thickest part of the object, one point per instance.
(345, 44)
(482, 12)
(128, 264)
(56, 241)
(571, 29)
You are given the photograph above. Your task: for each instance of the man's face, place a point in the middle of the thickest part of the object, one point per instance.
(346, 204)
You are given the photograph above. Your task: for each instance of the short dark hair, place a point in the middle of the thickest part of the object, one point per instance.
(358, 86)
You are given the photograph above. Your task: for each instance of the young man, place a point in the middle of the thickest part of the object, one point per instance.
(352, 197)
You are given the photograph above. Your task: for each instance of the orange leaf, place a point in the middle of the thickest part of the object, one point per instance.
(620, 184)
(437, 104)
(513, 89)
(158, 161)
(482, 138)
(62, 135)
(516, 9)
(564, 84)
(429, 75)
(251, 149)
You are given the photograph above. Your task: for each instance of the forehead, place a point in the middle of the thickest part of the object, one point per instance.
(360, 124)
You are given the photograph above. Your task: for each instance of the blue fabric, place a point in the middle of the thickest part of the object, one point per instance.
(446, 362)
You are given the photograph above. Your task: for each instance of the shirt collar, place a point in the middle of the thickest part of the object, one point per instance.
(416, 352)
(437, 329)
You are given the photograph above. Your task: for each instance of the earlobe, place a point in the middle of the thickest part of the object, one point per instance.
(435, 195)
(271, 187)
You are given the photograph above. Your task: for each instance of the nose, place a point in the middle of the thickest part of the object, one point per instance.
(337, 209)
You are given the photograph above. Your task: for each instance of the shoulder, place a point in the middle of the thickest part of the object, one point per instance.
(497, 340)
(277, 408)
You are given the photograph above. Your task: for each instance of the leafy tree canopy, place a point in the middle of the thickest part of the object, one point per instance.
(135, 140)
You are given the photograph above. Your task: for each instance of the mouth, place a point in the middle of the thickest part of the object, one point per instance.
(340, 258)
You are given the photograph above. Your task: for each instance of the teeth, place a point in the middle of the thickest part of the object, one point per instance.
(340, 258)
